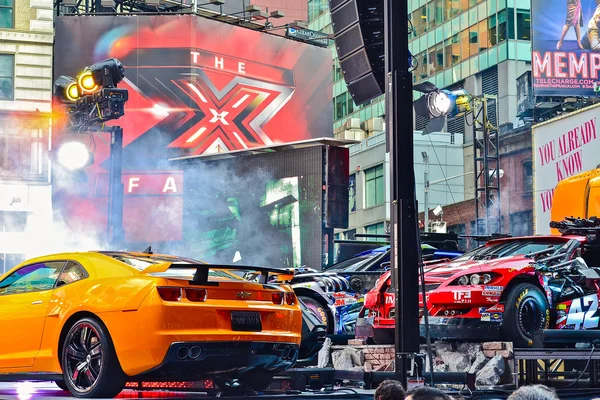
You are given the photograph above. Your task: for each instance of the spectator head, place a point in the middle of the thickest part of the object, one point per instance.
(426, 393)
(533, 392)
(389, 390)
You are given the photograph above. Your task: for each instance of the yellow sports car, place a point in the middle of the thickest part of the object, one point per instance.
(93, 321)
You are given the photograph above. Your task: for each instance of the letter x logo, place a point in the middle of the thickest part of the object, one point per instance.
(232, 118)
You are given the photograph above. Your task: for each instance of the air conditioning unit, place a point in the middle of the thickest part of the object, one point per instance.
(350, 134)
(374, 125)
(352, 123)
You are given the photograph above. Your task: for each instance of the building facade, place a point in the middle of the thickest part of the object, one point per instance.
(370, 184)
(26, 38)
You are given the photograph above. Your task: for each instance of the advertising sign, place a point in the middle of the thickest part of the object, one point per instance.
(565, 47)
(196, 86)
(562, 147)
(308, 35)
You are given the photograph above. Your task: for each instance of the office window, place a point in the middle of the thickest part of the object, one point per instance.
(421, 69)
(492, 30)
(419, 20)
(350, 104)
(452, 51)
(374, 186)
(521, 223)
(436, 59)
(523, 25)
(435, 13)
(465, 44)
(21, 153)
(316, 8)
(484, 37)
(375, 229)
(7, 73)
(7, 11)
(352, 192)
(506, 25)
(451, 8)
(527, 178)
(340, 106)
(473, 40)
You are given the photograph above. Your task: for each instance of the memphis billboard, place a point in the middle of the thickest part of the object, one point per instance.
(196, 86)
(565, 47)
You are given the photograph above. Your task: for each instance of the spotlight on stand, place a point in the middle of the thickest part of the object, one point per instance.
(439, 104)
(66, 90)
(107, 73)
(74, 155)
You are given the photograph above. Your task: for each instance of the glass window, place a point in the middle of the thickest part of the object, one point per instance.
(465, 44)
(435, 13)
(484, 37)
(506, 25)
(473, 41)
(350, 104)
(451, 8)
(316, 8)
(375, 229)
(340, 106)
(374, 187)
(352, 192)
(7, 71)
(32, 278)
(523, 25)
(7, 20)
(521, 224)
(422, 67)
(452, 51)
(72, 272)
(419, 20)
(436, 59)
(492, 30)
(527, 177)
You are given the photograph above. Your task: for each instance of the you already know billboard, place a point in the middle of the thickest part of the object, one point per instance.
(562, 147)
(565, 47)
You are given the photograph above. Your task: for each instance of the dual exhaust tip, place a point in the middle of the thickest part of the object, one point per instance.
(189, 353)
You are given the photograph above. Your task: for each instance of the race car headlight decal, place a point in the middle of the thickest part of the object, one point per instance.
(475, 279)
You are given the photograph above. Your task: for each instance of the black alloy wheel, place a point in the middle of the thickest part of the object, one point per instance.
(527, 314)
(89, 362)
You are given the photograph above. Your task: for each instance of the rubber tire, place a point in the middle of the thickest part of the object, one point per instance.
(319, 309)
(517, 296)
(111, 379)
(62, 385)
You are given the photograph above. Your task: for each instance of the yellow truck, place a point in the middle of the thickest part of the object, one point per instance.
(577, 196)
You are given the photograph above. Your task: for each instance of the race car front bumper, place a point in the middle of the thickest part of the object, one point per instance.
(462, 328)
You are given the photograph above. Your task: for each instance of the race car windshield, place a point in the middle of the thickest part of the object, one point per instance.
(509, 248)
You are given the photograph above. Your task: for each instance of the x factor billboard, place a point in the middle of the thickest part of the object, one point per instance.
(565, 47)
(196, 86)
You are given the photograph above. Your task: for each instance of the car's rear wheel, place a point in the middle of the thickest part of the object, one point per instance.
(89, 361)
(319, 310)
(527, 314)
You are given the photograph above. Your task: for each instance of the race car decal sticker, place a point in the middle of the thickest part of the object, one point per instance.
(486, 317)
(500, 288)
(491, 293)
(583, 313)
(496, 308)
(462, 296)
(496, 317)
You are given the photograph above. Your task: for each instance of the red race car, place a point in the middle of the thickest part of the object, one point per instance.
(509, 289)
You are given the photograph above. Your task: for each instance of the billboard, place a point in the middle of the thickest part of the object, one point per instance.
(565, 47)
(196, 86)
(562, 147)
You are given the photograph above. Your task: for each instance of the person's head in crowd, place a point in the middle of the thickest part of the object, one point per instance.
(533, 392)
(426, 393)
(389, 390)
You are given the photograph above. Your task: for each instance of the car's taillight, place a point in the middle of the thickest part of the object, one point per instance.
(290, 299)
(277, 297)
(195, 294)
(169, 293)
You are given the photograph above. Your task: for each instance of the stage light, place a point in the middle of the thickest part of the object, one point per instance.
(74, 155)
(65, 88)
(86, 83)
(107, 73)
(437, 104)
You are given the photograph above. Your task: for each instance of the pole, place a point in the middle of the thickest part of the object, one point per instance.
(426, 213)
(405, 249)
(115, 188)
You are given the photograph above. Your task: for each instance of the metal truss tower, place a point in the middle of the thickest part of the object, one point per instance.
(486, 158)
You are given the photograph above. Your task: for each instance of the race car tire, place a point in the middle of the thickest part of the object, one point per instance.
(319, 310)
(527, 314)
(62, 385)
(90, 365)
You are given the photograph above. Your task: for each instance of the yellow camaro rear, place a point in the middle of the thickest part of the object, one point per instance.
(93, 321)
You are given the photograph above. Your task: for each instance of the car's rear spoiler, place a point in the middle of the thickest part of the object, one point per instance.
(202, 271)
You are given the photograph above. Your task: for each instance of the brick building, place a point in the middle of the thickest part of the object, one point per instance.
(516, 203)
